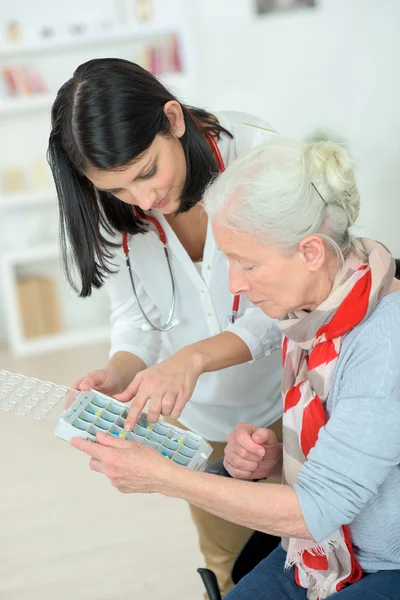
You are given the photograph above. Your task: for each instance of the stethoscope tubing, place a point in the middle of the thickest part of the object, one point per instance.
(171, 322)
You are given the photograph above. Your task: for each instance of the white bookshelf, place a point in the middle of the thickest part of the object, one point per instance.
(32, 254)
(28, 198)
(59, 341)
(19, 345)
(13, 262)
(102, 38)
(22, 104)
(15, 106)
(179, 82)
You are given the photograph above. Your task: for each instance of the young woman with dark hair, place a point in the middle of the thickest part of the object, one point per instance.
(131, 164)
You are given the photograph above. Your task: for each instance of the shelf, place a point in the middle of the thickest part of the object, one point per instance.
(60, 341)
(20, 104)
(25, 104)
(31, 254)
(117, 35)
(21, 346)
(23, 199)
(176, 80)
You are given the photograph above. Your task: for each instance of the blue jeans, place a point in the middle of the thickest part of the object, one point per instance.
(269, 581)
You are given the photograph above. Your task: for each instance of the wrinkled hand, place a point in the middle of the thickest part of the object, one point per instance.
(130, 467)
(106, 381)
(167, 386)
(251, 453)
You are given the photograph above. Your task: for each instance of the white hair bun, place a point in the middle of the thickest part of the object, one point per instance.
(332, 173)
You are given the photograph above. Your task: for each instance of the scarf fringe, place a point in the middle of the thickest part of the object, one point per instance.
(317, 588)
(295, 558)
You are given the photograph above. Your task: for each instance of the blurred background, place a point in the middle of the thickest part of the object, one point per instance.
(314, 69)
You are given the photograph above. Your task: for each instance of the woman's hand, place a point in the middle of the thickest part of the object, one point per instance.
(130, 467)
(252, 453)
(167, 386)
(108, 381)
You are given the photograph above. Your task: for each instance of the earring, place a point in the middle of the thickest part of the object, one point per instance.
(180, 132)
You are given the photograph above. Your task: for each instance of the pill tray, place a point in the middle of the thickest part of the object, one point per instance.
(93, 411)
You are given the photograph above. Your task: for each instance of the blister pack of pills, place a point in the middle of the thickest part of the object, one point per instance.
(27, 396)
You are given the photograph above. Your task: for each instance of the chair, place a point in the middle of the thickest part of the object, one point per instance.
(254, 551)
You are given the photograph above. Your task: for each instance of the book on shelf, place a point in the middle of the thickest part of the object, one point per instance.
(38, 306)
(163, 57)
(22, 81)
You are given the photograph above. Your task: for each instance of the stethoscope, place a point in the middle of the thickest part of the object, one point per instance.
(170, 322)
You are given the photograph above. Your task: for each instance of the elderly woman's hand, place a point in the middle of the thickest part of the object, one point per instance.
(167, 386)
(252, 453)
(129, 466)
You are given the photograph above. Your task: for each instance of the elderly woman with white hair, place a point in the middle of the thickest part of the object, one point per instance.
(282, 215)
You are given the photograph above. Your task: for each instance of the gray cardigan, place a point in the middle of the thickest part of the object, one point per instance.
(352, 475)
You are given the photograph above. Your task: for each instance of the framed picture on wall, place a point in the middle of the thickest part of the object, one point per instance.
(271, 6)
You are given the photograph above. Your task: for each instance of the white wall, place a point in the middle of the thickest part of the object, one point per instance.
(336, 66)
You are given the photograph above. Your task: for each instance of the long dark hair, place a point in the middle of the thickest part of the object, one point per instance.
(104, 117)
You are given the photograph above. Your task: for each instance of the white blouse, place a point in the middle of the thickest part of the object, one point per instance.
(221, 399)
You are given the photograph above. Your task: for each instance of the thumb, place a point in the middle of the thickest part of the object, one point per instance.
(112, 441)
(131, 391)
(261, 436)
(77, 385)
(69, 397)
(92, 380)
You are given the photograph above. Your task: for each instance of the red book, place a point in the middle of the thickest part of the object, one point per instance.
(176, 55)
(36, 80)
(21, 81)
(11, 85)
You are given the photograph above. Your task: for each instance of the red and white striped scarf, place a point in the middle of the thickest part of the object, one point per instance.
(311, 347)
